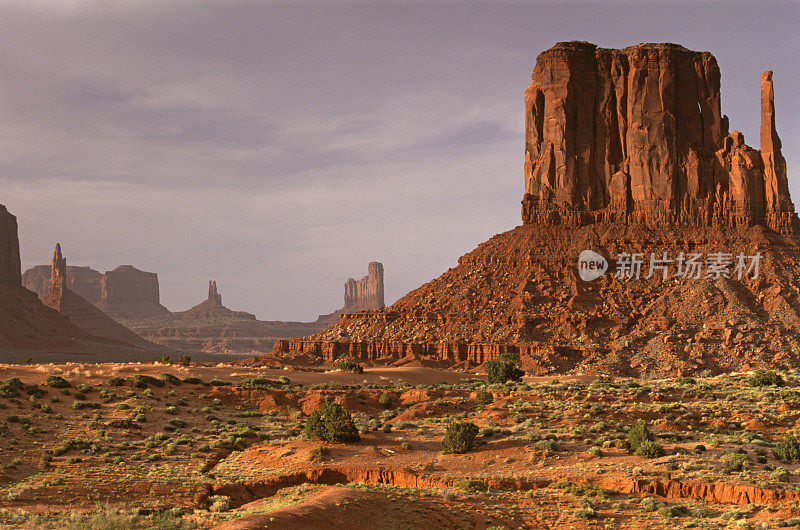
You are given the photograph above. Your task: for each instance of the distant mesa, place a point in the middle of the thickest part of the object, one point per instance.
(79, 311)
(213, 328)
(123, 293)
(28, 327)
(366, 294)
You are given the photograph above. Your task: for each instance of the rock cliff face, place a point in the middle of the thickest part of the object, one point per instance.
(212, 308)
(128, 293)
(366, 293)
(626, 152)
(9, 248)
(79, 311)
(634, 136)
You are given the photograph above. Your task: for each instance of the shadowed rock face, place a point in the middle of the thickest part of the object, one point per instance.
(9, 248)
(127, 293)
(634, 135)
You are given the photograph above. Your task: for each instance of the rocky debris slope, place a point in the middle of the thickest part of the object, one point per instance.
(627, 154)
(80, 312)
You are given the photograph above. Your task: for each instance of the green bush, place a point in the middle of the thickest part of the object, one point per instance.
(483, 397)
(56, 381)
(459, 437)
(143, 381)
(766, 378)
(259, 382)
(385, 400)
(10, 388)
(193, 381)
(184, 360)
(471, 485)
(639, 434)
(116, 381)
(649, 449)
(349, 366)
(788, 450)
(123, 423)
(319, 454)
(169, 378)
(501, 371)
(80, 405)
(331, 423)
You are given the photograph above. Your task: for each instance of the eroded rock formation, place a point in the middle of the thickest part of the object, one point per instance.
(128, 293)
(79, 311)
(626, 151)
(633, 136)
(83, 281)
(366, 293)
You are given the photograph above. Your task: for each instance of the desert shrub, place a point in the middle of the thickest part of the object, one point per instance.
(687, 381)
(85, 389)
(56, 381)
(116, 381)
(81, 405)
(472, 485)
(500, 372)
(184, 360)
(171, 410)
(141, 418)
(648, 504)
(639, 434)
(649, 449)
(319, 454)
(788, 450)
(166, 359)
(511, 357)
(349, 366)
(193, 381)
(258, 382)
(331, 423)
(385, 400)
(766, 378)
(735, 460)
(595, 451)
(123, 423)
(143, 381)
(678, 510)
(10, 388)
(219, 503)
(169, 378)
(781, 474)
(551, 446)
(459, 437)
(483, 397)
(219, 382)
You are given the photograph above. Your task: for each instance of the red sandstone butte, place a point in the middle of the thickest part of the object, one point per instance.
(626, 151)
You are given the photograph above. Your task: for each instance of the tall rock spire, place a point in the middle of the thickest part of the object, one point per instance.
(213, 296)
(58, 272)
(776, 184)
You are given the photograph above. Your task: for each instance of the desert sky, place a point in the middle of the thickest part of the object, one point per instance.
(278, 147)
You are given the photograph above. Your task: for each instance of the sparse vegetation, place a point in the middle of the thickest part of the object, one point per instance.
(460, 437)
(331, 423)
(500, 372)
